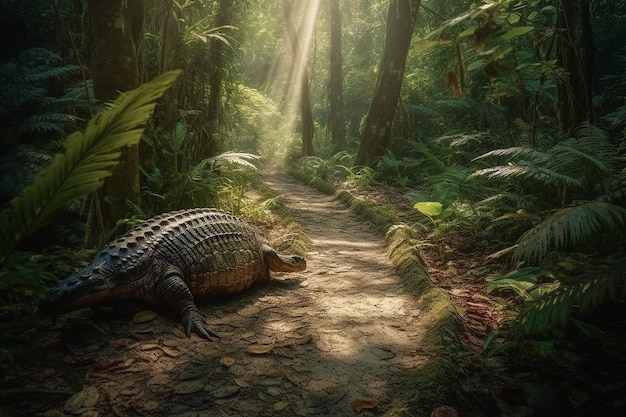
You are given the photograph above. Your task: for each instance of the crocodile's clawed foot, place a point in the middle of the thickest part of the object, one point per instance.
(194, 323)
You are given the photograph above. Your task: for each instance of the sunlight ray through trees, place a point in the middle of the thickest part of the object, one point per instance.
(289, 74)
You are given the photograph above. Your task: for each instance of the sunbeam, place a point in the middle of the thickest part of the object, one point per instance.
(284, 85)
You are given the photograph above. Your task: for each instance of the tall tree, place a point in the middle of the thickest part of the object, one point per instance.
(305, 95)
(335, 88)
(217, 52)
(170, 57)
(116, 30)
(575, 54)
(401, 17)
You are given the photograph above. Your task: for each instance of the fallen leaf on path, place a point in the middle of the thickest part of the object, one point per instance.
(178, 331)
(189, 387)
(268, 382)
(241, 383)
(293, 377)
(87, 397)
(144, 316)
(171, 352)
(226, 392)
(227, 361)
(281, 405)
(116, 365)
(259, 349)
(360, 405)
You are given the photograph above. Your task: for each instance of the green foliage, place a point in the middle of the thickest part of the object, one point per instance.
(548, 305)
(179, 181)
(88, 158)
(567, 227)
(337, 166)
(557, 307)
(582, 163)
(24, 104)
(24, 278)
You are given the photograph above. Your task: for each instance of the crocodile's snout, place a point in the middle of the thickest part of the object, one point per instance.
(81, 289)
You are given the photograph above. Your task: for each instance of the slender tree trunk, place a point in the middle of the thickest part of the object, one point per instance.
(217, 52)
(115, 37)
(305, 94)
(335, 88)
(170, 51)
(401, 18)
(575, 54)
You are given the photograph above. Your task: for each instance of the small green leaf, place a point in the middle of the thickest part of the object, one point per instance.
(468, 32)
(424, 46)
(515, 32)
(513, 18)
(429, 208)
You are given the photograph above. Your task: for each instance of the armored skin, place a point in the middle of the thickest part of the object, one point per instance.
(171, 260)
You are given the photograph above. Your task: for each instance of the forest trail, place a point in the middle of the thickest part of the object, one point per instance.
(328, 341)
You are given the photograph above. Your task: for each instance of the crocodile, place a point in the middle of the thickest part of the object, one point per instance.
(170, 261)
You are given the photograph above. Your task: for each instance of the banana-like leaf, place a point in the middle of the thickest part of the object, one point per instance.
(88, 159)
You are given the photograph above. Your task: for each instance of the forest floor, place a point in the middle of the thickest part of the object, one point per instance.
(345, 337)
(328, 341)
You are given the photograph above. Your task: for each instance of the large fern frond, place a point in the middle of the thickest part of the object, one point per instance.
(543, 175)
(88, 159)
(568, 226)
(591, 152)
(514, 152)
(556, 307)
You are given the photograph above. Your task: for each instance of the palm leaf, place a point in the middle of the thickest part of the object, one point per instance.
(88, 159)
(568, 226)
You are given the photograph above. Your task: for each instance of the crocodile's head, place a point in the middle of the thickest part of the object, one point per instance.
(88, 287)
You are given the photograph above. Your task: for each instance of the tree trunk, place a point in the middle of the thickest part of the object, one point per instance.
(335, 88)
(170, 51)
(575, 54)
(116, 33)
(305, 94)
(217, 51)
(379, 120)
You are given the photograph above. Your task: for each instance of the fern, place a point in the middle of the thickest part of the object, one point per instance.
(576, 162)
(544, 175)
(88, 159)
(568, 226)
(236, 158)
(557, 307)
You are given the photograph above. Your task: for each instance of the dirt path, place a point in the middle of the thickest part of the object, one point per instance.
(319, 343)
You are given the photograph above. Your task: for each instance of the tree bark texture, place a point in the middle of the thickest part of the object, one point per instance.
(306, 112)
(335, 88)
(217, 57)
(116, 30)
(575, 55)
(170, 58)
(401, 18)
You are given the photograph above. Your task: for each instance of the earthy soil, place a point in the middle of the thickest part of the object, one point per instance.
(324, 342)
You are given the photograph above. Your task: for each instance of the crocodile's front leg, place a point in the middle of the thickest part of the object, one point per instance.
(172, 292)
